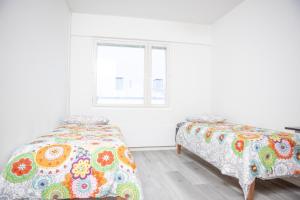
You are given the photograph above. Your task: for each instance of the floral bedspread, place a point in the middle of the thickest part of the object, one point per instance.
(73, 161)
(242, 151)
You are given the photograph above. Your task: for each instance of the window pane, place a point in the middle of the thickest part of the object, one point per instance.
(120, 74)
(158, 75)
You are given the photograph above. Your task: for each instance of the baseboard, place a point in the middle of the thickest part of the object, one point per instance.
(152, 148)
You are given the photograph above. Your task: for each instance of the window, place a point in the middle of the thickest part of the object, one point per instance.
(130, 74)
(119, 83)
(158, 75)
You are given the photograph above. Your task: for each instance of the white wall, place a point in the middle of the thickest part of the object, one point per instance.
(256, 64)
(189, 69)
(135, 28)
(34, 37)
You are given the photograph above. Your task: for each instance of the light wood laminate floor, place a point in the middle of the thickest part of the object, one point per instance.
(167, 176)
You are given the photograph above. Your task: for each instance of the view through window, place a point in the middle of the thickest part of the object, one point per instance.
(123, 72)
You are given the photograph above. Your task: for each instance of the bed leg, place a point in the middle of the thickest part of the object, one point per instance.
(251, 191)
(178, 148)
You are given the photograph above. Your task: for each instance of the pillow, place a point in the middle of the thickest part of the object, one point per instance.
(86, 120)
(206, 119)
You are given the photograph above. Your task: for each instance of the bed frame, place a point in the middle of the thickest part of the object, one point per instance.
(252, 186)
(112, 198)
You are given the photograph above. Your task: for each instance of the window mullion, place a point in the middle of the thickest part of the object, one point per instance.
(147, 75)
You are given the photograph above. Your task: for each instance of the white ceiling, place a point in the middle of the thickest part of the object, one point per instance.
(193, 11)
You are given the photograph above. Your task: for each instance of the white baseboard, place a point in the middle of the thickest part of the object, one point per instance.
(153, 148)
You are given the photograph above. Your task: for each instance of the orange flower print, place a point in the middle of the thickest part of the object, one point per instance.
(125, 156)
(22, 167)
(283, 149)
(249, 135)
(239, 145)
(105, 158)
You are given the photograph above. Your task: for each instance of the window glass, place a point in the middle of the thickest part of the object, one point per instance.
(120, 74)
(158, 77)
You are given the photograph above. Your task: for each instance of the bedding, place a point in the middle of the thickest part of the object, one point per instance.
(206, 119)
(73, 161)
(243, 151)
(86, 120)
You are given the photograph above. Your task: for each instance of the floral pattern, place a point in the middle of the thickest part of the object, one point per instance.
(297, 154)
(254, 168)
(208, 135)
(104, 159)
(20, 169)
(81, 168)
(267, 157)
(56, 191)
(85, 188)
(243, 151)
(249, 135)
(129, 191)
(53, 155)
(238, 146)
(41, 182)
(74, 161)
(256, 147)
(281, 169)
(121, 177)
(283, 148)
(221, 138)
(125, 156)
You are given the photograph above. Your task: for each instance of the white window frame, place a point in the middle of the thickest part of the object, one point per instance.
(147, 71)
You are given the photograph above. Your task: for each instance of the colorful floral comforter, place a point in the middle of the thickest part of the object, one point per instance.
(73, 161)
(242, 151)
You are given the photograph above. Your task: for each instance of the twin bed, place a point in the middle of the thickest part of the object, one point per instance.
(244, 152)
(78, 161)
(74, 161)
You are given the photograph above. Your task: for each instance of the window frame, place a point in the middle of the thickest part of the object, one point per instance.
(147, 71)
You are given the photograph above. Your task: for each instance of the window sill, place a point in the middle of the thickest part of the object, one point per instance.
(130, 106)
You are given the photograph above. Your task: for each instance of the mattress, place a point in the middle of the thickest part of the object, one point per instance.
(73, 161)
(243, 151)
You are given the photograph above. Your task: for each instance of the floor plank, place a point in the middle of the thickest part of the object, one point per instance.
(167, 176)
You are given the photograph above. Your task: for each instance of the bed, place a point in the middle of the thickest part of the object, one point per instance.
(242, 151)
(73, 161)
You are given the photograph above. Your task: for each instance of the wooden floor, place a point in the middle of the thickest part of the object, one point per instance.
(165, 175)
